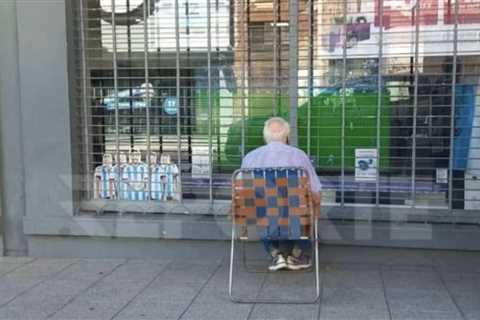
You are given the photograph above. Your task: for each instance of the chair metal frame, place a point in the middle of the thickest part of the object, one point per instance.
(313, 238)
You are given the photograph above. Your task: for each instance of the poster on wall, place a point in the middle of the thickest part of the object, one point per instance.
(360, 32)
(200, 162)
(366, 164)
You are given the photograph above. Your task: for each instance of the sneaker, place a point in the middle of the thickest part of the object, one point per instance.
(278, 263)
(302, 262)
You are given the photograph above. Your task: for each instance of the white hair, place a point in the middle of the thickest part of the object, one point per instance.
(280, 133)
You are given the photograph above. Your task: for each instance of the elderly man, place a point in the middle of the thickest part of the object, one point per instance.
(287, 254)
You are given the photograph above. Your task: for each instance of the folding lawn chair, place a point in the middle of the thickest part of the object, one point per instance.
(275, 203)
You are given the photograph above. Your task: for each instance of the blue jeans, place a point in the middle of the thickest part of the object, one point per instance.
(286, 246)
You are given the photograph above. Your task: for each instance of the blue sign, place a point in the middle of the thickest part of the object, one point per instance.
(170, 105)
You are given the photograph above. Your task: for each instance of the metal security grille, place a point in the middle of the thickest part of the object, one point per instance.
(383, 95)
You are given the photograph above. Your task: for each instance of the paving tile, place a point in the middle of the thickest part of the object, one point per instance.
(436, 301)
(455, 261)
(28, 276)
(285, 312)
(16, 260)
(93, 310)
(469, 303)
(465, 289)
(10, 288)
(289, 286)
(355, 298)
(135, 272)
(243, 286)
(423, 315)
(107, 297)
(35, 307)
(153, 308)
(87, 269)
(53, 294)
(349, 267)
(413, 280)
(40, 268)
(217, 288)
(352, 288)
(185, 273)
(353, 314)
(6, 267)
(352, 279)
(171, 292)
(197, 262)
(353, 303)
(377, 256)
(462, 281)
(217, 311)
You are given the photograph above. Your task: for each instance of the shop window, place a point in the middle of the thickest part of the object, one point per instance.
(388, 98)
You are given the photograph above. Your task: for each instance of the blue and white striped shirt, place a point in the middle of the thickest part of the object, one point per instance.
(133, 185)
(103, 182)
(164, 182)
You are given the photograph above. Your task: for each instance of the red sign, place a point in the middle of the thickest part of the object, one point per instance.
(468, 11)
(402, 13)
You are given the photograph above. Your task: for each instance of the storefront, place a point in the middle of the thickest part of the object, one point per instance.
(165, 97)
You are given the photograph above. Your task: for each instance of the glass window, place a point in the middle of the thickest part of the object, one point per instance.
(175, 93)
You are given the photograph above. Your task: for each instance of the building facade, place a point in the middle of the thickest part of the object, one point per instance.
(123, 120)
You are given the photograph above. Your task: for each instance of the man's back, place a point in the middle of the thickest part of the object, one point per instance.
(278, 154)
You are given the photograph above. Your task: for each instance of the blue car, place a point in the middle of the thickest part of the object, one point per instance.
(135, 98)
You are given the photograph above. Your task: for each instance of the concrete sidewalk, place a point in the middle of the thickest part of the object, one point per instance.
(356, 283)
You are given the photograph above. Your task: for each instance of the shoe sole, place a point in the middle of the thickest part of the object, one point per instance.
(278, 267)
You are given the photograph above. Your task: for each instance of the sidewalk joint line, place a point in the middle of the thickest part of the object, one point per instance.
(18, 267)
(384, 289)
(155, 278)
(450, 294)
(37, 284)
(200, 291)
(252, 308)
(85, 290)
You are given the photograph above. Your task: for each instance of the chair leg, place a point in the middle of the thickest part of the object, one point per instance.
(317, 267)
(230, 277)
(273, 301)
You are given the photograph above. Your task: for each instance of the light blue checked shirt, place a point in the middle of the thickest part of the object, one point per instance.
(278, 154)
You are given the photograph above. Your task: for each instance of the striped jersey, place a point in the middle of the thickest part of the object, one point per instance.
(133, 182)
(117, 175)
(164, 181)
(103, 182)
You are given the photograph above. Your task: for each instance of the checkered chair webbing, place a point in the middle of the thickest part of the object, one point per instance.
(275, 201)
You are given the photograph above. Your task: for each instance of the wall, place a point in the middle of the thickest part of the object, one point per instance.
(11, 153)
(35, 125)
